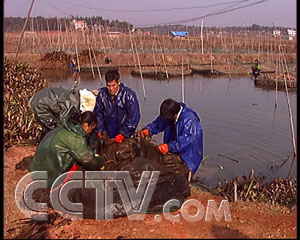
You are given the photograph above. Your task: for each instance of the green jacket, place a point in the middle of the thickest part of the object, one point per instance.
(52, 105)
(61, 148)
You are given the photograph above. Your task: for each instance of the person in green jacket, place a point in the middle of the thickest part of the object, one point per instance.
(66, 146)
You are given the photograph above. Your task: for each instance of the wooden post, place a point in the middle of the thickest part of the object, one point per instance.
(202, 37)
(24, 27)
(182, 83)
(138, 58)
(235, 191)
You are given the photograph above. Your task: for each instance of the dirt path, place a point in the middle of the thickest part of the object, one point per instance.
(248, 220)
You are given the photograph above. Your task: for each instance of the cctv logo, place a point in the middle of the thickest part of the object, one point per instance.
(135, 201)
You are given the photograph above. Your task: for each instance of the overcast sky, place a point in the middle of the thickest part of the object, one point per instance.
(151, 12)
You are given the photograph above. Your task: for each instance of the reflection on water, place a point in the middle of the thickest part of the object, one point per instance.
(239, 120)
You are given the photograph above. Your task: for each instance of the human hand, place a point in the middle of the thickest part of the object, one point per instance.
(163, 148)
(144, 133)
(100, 135)
(119, 138)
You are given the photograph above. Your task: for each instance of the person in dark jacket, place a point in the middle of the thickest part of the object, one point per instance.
(183, 133)
(52, 105)
(256, 68)
(66, 146)
(117, 109)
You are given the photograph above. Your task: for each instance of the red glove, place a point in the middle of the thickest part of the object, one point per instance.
(100, 135)
(70, 172)
(119, 138)
(145, 132)
(163, 148)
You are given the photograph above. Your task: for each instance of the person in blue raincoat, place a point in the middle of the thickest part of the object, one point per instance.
(117, 109)
(183, 133)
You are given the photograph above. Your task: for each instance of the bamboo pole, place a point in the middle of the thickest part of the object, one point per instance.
(50, 41)
(182, 82)
(289, 107)
(24, 27)
(163, 57)
(92, 67)
(33, 36)
(153, 51)
(132, 48)
(138, 58)
(276, 82)
(99, 73)
(76, 51)
(202, 37)
(101, 40)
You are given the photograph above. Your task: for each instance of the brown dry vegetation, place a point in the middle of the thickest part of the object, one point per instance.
(152, 49)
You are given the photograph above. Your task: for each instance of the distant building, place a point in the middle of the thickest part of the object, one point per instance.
(80, 25)
(291, 32)
(276, 33)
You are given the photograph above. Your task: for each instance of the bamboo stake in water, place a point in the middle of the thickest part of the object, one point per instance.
(132, 48)
(138, 58)
(202, 37)
(182, 82)
(163, 57)
(92, 67)
(290, 111)
(99, 73)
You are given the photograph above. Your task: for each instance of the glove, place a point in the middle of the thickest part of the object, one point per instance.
(70, 172)
(119, 138)
(100, 135)
(163, 148)
(145, 133)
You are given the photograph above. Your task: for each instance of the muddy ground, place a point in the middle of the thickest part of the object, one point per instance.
(248, 219)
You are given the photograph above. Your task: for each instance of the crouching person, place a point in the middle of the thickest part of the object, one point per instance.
(183, 133)
(65, 148)
(52, 105)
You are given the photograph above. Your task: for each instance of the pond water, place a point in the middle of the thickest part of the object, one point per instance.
(239, 120)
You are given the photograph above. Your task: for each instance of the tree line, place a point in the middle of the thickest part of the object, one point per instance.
(15, 24)
(39, 23)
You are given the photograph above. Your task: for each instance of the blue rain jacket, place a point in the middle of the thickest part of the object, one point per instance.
(186, 140)
(121, 117)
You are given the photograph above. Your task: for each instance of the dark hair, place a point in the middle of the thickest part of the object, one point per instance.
(84, 117)
(169, 108)
(112, 75)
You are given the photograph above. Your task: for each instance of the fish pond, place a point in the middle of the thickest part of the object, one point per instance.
(242, 128)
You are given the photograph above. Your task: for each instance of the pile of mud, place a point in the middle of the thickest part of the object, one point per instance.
(55, 56)
(135, 156)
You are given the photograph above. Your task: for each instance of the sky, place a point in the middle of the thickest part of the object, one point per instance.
(142, 13)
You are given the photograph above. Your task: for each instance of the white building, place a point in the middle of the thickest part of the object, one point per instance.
(276, 33)
(80, 25)
(291, 32)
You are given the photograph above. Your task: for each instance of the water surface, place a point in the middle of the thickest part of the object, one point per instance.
(239, 120)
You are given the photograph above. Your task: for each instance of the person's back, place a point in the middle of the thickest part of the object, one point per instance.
(183, 133)
(52, 105)
(61, 148)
